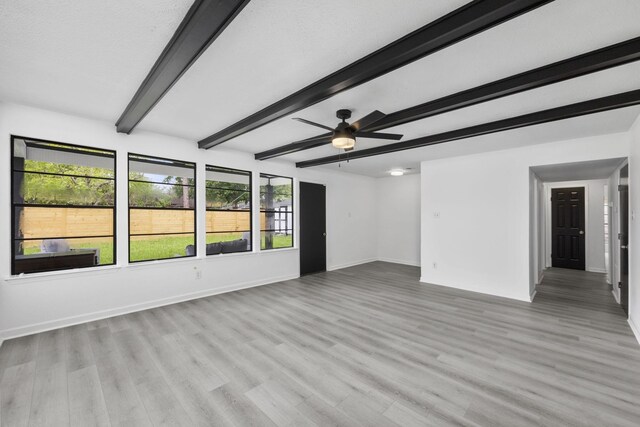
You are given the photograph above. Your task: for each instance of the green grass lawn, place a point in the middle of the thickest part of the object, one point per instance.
(279, 241)
(161, 247)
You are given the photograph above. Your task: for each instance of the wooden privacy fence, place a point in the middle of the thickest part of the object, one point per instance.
(66, 222)
(76, 222)
(156, 221)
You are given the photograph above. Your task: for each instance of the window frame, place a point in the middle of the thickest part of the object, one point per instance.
(71, 148)
(224, 169)
(161, 161)
(293, 241)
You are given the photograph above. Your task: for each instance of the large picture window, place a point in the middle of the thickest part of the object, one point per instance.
(161, 208)
(228, 210)
(63, 206)
(276, 212)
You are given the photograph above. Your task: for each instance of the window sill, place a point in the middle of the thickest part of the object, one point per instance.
(107, 269)
(61, 273)
(157, 262)
(276, 250)
(257, 252)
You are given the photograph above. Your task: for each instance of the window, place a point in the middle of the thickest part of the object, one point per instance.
(161, 208)
(276, 212)
(228, 210)
(63, 206)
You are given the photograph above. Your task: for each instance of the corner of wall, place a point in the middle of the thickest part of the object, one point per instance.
(350, 264)
(398, 202)
(399, 261)
(634, 230)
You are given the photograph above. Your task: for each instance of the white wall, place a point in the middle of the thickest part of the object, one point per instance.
(634, 231)
(537, 229)
(480, 237)
(351, 200)
(541, 232)
(614, 228)
(534, 230)
(50, 300)
(398, 219)
(594, 221)
(612, 273)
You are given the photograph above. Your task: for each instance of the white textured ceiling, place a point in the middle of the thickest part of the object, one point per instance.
(84, 57)
(88, 57)
(276, 47)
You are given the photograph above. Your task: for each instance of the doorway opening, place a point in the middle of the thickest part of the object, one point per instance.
(576, 221)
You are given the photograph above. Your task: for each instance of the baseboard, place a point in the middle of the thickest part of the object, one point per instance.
(540, 277)
(105, 314)
(615, 296)
(350, 264)
(398, 261)
(532, 295)
(635, 329)
(525, 299)
(596, 270)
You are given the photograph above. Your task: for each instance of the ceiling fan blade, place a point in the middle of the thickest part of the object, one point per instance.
(312, 123)
(368, 120)
(379, 135)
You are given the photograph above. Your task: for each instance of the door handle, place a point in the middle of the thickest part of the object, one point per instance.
(324, 234)
(581, 232)
(624, 247)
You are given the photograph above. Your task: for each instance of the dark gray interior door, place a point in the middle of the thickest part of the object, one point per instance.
(567, 228)
(313, 245)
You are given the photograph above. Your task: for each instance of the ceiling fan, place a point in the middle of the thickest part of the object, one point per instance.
(344, 135)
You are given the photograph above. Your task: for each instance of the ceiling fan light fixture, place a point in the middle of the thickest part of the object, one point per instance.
(343, 142)
(343, 138)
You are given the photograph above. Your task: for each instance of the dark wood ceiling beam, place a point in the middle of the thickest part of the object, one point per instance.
(471, 19)
(621, 100)
(316, 141)
(203, 23)
(597, 60)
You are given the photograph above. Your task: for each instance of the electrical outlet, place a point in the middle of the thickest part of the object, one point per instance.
(198, 274)
(435, 265)
(436, 214)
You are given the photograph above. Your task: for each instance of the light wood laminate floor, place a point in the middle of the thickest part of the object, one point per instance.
(367, 345)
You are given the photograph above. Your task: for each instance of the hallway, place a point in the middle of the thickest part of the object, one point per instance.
(580, 290)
